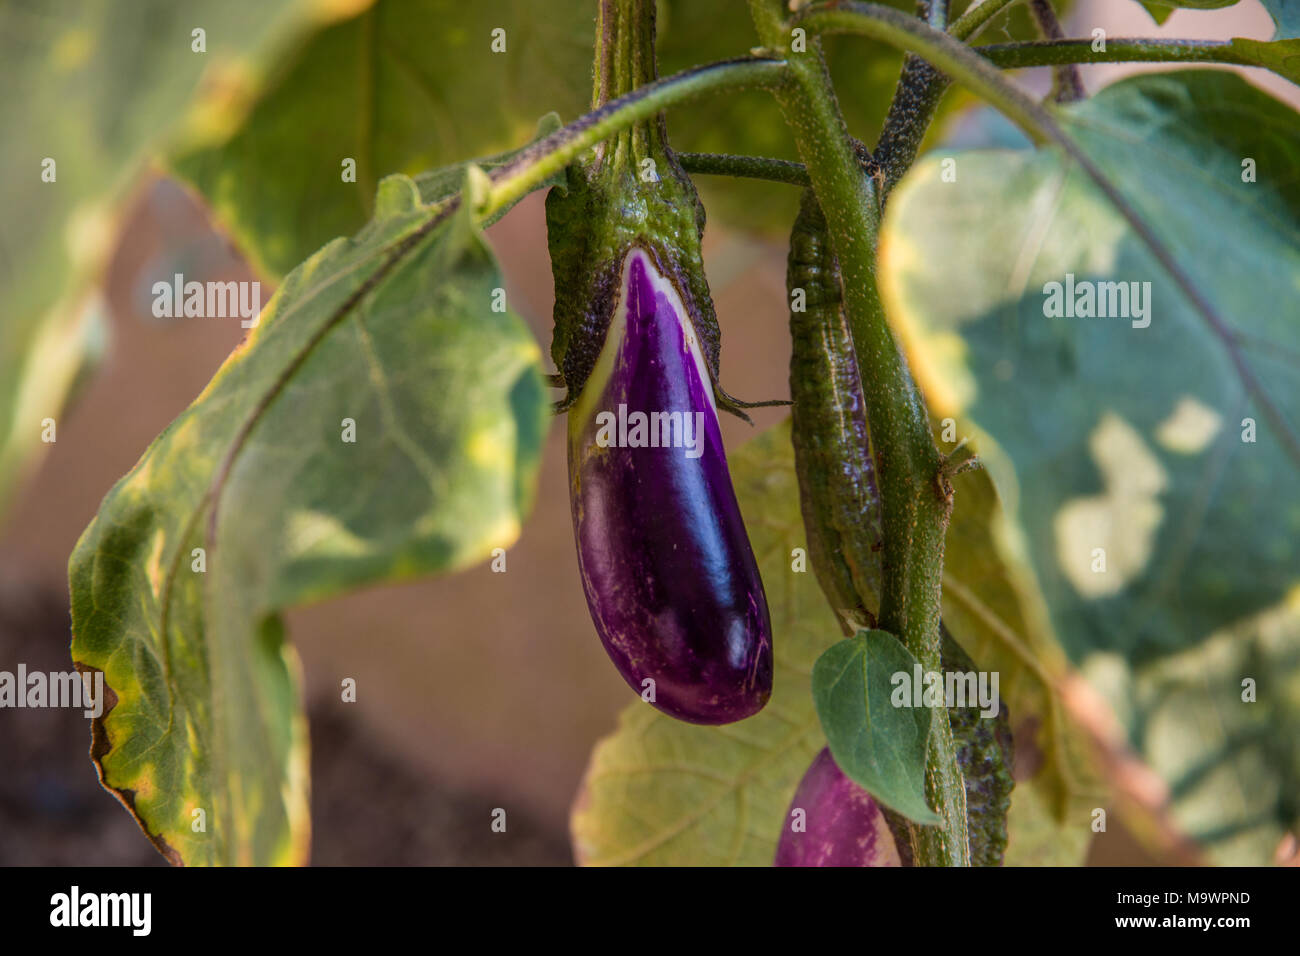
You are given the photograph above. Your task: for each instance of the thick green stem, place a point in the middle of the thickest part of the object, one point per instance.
(1054, 52)
(915, 498)
(549, 156)
(625, 60)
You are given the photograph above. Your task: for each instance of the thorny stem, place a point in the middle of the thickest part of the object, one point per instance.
(1067, 84)
(746, 167)
(625, 60)
(916, 500)
(920, 87)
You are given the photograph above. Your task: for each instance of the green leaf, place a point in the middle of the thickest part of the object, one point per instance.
(391, 333)
(1233, 764)
(1162, 10)
(1106, 435)
(1280, 56)
(404, 86)
(1035, 835)
(661, 792)
(993, 608)
(878, 745)
(1286, 14)
(1159, 12)
(91, 86)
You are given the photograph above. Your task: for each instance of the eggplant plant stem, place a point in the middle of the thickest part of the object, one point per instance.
(1067, 84)
(916, 500)
(920, 87)
(548, 156)
(745, 167)
(1118, 50)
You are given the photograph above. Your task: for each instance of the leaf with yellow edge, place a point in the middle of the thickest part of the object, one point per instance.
(992, 606)
(381, 421)
(87, 88)
(1154, 486)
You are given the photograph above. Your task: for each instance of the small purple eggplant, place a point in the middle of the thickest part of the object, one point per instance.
(666, 565)
(840, 824)
(667, 568)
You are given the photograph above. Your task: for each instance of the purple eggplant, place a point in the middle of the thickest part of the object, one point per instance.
(667, 568)
(840, 825)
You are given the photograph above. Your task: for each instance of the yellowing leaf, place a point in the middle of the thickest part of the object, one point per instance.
(330, 451)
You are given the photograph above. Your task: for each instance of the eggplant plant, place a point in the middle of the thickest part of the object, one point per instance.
(1032, 514)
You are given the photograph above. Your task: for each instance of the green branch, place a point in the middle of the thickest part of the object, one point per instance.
(981, 77)
(1056, 52)
(549, 156)
(945, 53)
(916, 98)
(920, 88)
(1067, 84)
(745, 167)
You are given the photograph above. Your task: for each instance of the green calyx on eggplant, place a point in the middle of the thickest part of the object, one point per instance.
(631, 191)
(666, 565)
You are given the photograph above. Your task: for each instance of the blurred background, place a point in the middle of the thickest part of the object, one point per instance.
(475, 691)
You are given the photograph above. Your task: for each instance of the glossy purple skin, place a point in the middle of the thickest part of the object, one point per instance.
(844, 826)
(669, 575)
